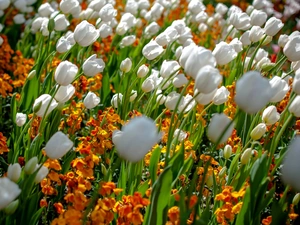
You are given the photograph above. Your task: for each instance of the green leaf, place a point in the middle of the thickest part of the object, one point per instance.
(244, 215)
(154, 163)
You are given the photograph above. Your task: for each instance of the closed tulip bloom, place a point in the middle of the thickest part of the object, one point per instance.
(258, 131)
(136, 138)
(152, 50)
(91, 100)
(133, 95)
(9, 192)
(168, 36)
(142, 71)
(116, 100)
(270, 115)
(246, 156)
(148, 85)
(70, 6)
(58, 145)
(296, 82)
(256, 33)
(224, 53)
(14, 172)
(126, 65)
(227, 151)
(221, 96)
(180, 134)
(188, 103)
(160, 99)
(65, 73)
(253, 92)
(240, 21)
(30, 166)
(20, 119)
(295, 106)
(4, 4)
(245, 38)
(41, 104)
(172, 100)
(169, 68)
(204, 99)
(258, 17)
(63, 45)
(279, 88)
(180, 80)
(207, 79)
(41, 174)
(45, 10)
(237, 45)
(217, 128)
(292, 49)
(291, 166)
(273, 26)
(221, 8)
(93, 65)
(19, 19)
(282, 40)
(85, 34)
(128, 40)
(64, 93)
(107, 13)
(61, 22)
(105, 30)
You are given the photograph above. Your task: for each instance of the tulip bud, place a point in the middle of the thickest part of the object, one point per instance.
(58, 145)
(258, 17)
(142, 71)
(127, 41)
(148, 85)
(160, 99)
(64, 93)
(258, 131)
(14, 172)
(9, 192)
(65, 73)
(282, 40)
(133, 95)
(91, 100)
(221, 96)
(267, 40)
(273, 26)
(279, 88)
(31, 74)
(107, 12)
(180, 134)
(180, 80)
(126, 65)
(227, 151)
(61, 22)
(40, 105)
(240, 21)
(116, 100)
(45, 10)
(270, 115)
(223, 171)
(256, 33)
(295, 106)
(224, 53)
(105, 30)
(21, 119)
(210, 181)
(85, 34)
(245, 38)
(41, 174)
(93, 65)
(290, 165)
(136, 138)
(208, 78)
(291, 50)
(169, 68)
(246, 156)
(152, 50)
(30, 166)
(296, 199)
(172, 99)
(12, 207)
(217, 128)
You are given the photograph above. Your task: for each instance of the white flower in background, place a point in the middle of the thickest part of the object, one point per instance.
(279, 88)
(234, 9)
(270, 115)
(14, 172)
(168, 36)
(148, 85)
(9, 192)
(105, 30)
(152, 50)
(227, 151)
(45, 10)
(143, 70)
(282, 40)
(292, 49)
(93, 65)
(258, 17)
(19, 19)
(256, 33)
(202, 27)
(85, 34)
(128, 40)
(240, 21)
(273, 26)
(224, 53)
(237, 45)
(65, 73)
(204, 99)
(151, 29)
(132, 7)
(41, 104)
(64, 93)
(258, 131)
(193, 58)
(126, 65)
(41, 174)
(116, 100)
(172, 100)
(58, 145)
(253, 92)
(221, 96)
(160, 99)
(63, 45)
(21, 119)
(136, 138)
(169, 68)
(245, 38)
(246, 156)
(107, 13)
(196, 6)
(155, 12)
(61, 22)
(4, 4)
(207, 79)
(180, 134)
(180, 80)
(217, 128)
(221, 8)
(96, 5)
(188, 103)
(291, 166)
(20, 5)
(133, 95)
(295, 106)
(91, 100)
(70, 6)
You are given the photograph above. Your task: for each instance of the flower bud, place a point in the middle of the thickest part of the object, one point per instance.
(273, 26)
(296, 199)
(295, 106)
(227, 151)
(64, 93)
(270, 115)
(40, 105)
(221, 96)
(222, 172)
(258, 131)
(30, 166)
(172, 99)
(9, 192)
(208, 79)
(279, 88)
(246, 156)
(169, 68)
(126, 65)
(224, 53)
(133, 95)
(116, 100)
(21, 119)
(128, 40)
(31, 74)
(180, 80)
(105, 30)
(58, 145)
(142, 71)
(14, 172)
(41, 174)
(91, 100)
(65, 73)
(148, 85)
(85, 34)
(93, 65)
(292, 50)
(61, 22)
(152, 50)
(12, 207)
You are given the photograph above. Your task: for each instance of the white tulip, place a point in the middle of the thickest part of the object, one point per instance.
(258, 17)
(85, 34)
(14, 172)
(65, 73)
(64, 93)
(116, 100)
(9, 192)
(92, 66)
(258, 131)
(41, 104)
(172, 100)
(208, 79)
(91, 100)
(292, 49)
(180, 80)
(221, 96)
(41, 174)
(295, 106)
(58, 145)
(21, 119)
(180, 134)
(270, 115)
(107, 13)
(204, 99)
(152, 50)
(142, 71)
(224, 53)
(279, 88)
(169, 68)
(126, 65)
(273, 26)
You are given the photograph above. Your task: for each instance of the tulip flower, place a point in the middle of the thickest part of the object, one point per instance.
(282, 40)
(30, 166)
(204, 99)
(256, 33)
(64, 93)
(168, 36)
(246, 156)
(136, 138)
(41, 104)
(270, 115)
(85, 34)
(172, 100)
(128, 40)
(105, 30)
(152, 50)
(253, 92)
(45, 10)
(169, 68)
(258, 17)
(290, 165)
(208, 79)
(273, 26)
(41, 174)
(14, 172)
(224, 53)
(63, 45)
(126, 65)
(148, 85)
(245, 38)
(258, 131)
(107, 12)
(58, 145)
(4, 4)
(237, 45)
(180, 134)
(20, 119)
(180, 80)
(227, 151)
(9, 192)
(133, 95)
(221, 96)
(217, 128)
(91, 100)
(92, 66)
(240, 21)
(187, 104)
(142, 71)
(116, 100)
(65, 73)
(279, 88)
(292, 49)
(61, 22)
(295, 106)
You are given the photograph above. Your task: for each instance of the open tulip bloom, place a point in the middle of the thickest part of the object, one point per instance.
(149, 112)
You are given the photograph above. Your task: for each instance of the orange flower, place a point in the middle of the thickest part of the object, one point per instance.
(267, 221)
(3, 144)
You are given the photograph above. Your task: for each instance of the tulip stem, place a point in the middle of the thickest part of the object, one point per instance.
(227, 35)
(256, 50)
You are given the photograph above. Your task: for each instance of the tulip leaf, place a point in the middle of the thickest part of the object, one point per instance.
(35, 218)
(244, 215)
(154, 163)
